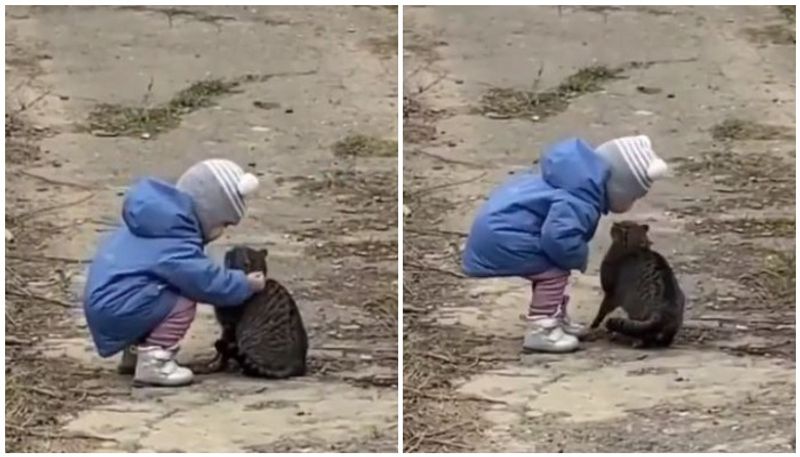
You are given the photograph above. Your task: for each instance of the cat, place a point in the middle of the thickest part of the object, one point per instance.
(640, 281)
(265, 335)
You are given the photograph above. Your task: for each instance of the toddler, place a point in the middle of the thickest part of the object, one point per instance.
(146, 279)
(538, 225)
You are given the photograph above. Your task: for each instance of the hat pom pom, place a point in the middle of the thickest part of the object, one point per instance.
(657, 169)
(247, 184)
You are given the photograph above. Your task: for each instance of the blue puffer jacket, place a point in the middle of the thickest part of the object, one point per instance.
(144, 266)
(538, 222)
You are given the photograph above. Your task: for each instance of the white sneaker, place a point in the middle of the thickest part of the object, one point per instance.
(568, 325)
(156, 366)
(547, 335)
(573, 328)
(127, 364)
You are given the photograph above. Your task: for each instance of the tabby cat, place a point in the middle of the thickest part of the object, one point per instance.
(641, 282)
(265, 335)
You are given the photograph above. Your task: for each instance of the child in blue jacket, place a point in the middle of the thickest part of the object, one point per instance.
(146, 279)
(538, 225)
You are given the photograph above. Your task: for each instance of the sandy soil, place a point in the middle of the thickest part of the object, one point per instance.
(304, 79)
(714, 88)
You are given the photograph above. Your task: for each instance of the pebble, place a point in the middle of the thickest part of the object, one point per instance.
(145, 136)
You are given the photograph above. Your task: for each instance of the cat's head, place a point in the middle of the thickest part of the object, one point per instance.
(247, 259)
(630, 235)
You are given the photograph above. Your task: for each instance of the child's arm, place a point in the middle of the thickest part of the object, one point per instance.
(564, 233)
(200, 279)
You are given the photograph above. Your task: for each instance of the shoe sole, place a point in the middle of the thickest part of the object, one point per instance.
(528, 350)
(141, 384)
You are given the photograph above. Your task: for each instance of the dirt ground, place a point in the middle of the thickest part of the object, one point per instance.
(485, 90)
(303, 96)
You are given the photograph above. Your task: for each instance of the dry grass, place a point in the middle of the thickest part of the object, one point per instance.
(739, 129)
(358, 145)
(383, 47)
(40, 391)
(753, 180)
(437, 418)
(507, 103)
(746, 227)
(109, 119)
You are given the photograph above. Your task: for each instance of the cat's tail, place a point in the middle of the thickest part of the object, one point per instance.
(634, 328)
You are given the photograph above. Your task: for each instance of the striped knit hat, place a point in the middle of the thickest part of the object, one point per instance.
(634, 166)
(218, 188)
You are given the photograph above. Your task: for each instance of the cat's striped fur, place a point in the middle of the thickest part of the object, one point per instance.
(641, 282)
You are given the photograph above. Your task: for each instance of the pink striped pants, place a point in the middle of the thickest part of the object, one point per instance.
(172, 329)
(548, 297)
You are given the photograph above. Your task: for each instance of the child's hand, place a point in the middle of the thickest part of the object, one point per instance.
(256, 281)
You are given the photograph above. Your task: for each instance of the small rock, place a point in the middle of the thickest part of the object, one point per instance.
(406, 211)
(493, 115)
(289, 111)
(259, 129)
(103, 133)
(452, 144)
(648, 90)
(459, 81)
(9, 236)
(145, 136)
(643, 112)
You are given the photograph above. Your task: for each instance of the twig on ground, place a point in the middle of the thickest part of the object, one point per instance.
(420, 266)
(51, 436)
(56, 181)
(39, 211)
(25, 106)
(446, 160)
(14, 341)
(427, 190)
(47, 258)
(435, 232)
(29, 294)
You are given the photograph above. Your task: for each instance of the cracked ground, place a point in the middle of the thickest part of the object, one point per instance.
(485, 90)
(96, 96)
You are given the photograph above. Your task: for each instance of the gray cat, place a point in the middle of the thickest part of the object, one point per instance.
(265, 335)
(641, 282)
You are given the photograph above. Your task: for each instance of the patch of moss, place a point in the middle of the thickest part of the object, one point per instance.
(788, 12)
(110, 119)
(739, 129)
(776, 279)
(778, 34)
(365, 146)
(506, 103)
(385, 47)
(201, 94)
(754, 180)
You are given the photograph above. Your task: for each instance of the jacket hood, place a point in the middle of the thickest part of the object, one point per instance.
(156, 209)
(573, 166)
